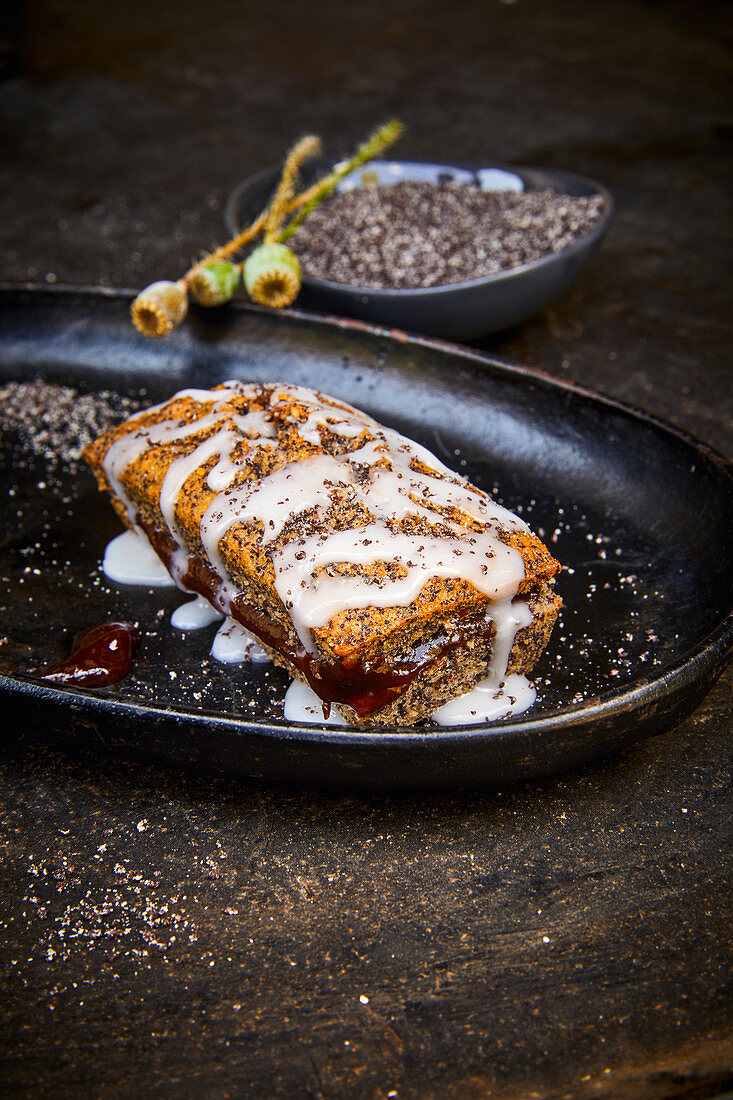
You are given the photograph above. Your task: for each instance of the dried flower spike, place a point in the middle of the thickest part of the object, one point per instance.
(303, 150)
(373, 147)
(159, 308)
(272, 272)
(215, 284)
(272, 275)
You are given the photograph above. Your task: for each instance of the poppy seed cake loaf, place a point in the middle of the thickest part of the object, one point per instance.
(362, 564)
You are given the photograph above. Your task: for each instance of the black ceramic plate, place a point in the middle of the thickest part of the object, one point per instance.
(457, 311)
(638, 513)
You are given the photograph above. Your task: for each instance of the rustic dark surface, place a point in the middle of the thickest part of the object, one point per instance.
(165, 934)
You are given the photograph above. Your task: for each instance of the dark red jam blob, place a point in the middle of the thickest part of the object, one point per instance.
(103, 655)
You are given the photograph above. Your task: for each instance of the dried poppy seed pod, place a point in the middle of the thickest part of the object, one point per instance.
(272, 275)
(215, 284)
(159, 308)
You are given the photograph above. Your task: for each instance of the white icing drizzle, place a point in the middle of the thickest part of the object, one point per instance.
(221, 444)
(283, 494)
(130, 559)
(195, 614)
(379, 475)
(323, 596)
(488, 701)
(302, 705)
(233, 644)
(132, 444)
(508, 617)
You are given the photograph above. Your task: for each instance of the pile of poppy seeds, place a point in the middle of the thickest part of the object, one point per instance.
(415, 234)
(57, 422)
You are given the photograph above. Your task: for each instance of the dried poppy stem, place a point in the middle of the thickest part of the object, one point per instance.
(306, 148)
(272, 272)
(307, 200)
(234, 245)
(271, 219)
(371, 148)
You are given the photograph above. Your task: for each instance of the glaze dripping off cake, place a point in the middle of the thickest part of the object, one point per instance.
(362, 564)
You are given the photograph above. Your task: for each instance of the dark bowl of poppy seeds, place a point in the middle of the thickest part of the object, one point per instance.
(450, 250)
